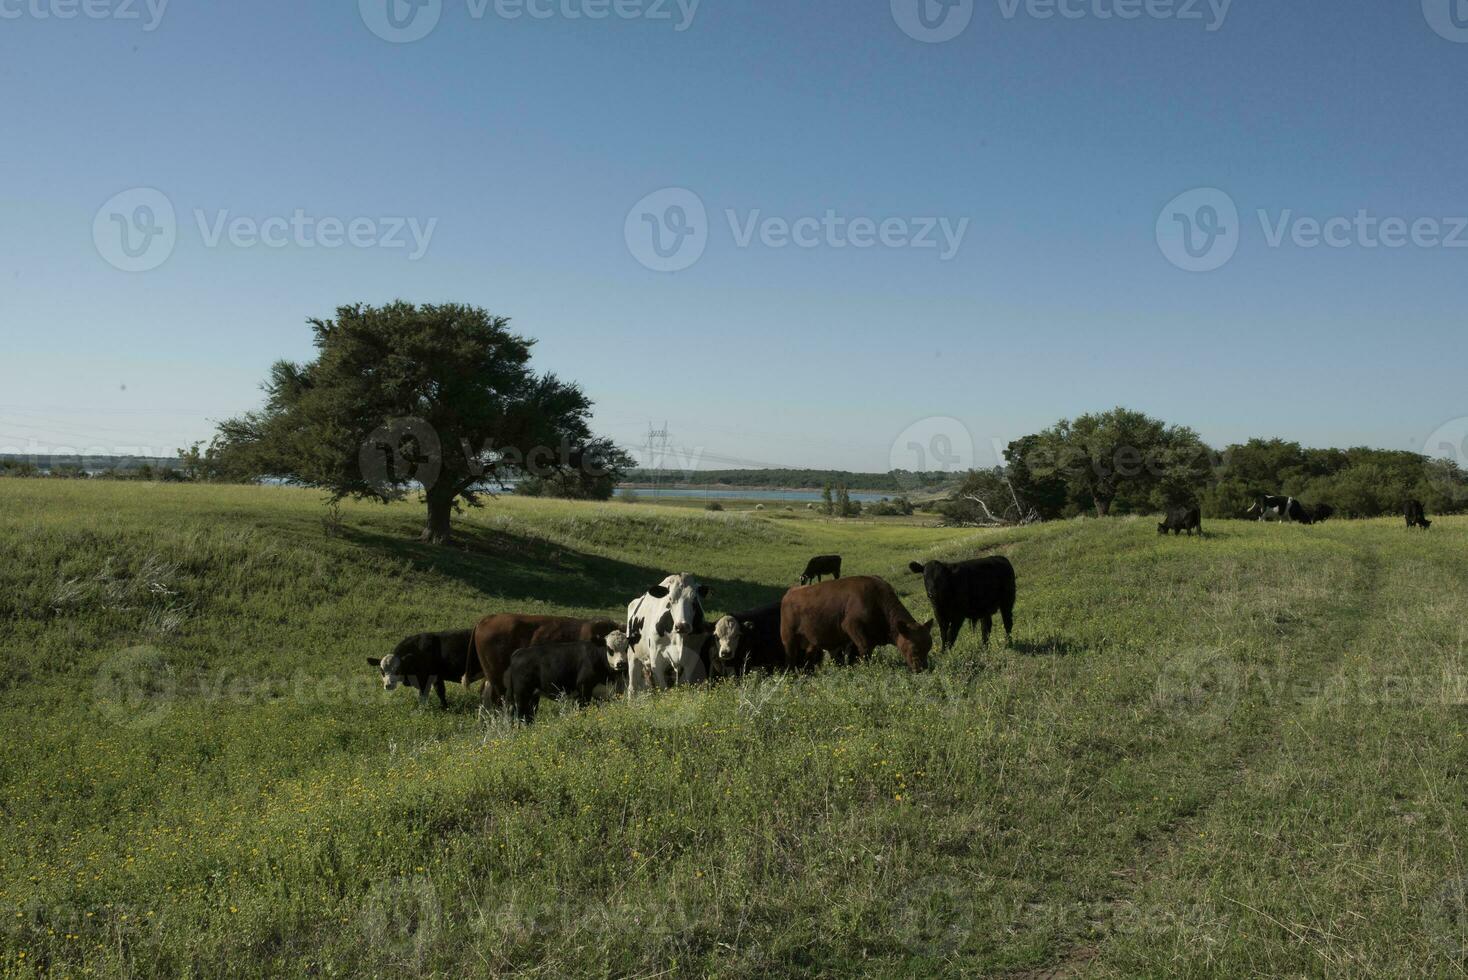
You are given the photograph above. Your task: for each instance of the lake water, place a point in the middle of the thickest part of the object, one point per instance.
(741, 493)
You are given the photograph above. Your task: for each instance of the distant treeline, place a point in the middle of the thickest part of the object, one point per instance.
(94, 467)
(896, 481)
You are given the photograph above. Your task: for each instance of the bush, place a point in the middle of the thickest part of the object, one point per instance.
(713, 505)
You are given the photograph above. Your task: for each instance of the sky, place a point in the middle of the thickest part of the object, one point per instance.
(832, 233)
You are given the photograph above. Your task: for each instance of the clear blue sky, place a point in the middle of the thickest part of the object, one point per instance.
(529, 140)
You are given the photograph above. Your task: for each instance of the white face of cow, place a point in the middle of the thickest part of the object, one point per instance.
(617, 647)
(391, 669)
(682, 608)
(727, 633)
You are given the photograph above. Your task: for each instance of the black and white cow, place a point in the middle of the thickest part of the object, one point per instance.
(971, 590)
(584, 670)
(748, 641)
(667, 630)
(424, 660)
(819, 567)
(1180, 519)
(1281, 509)
(1416, 515)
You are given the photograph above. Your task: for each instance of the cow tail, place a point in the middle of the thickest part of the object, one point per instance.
(470, 654)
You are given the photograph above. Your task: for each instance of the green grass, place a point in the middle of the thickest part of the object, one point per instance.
(1230, 757)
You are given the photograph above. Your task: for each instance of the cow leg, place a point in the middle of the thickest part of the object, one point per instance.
(443, 698)
(986, 623)
(1007, 613)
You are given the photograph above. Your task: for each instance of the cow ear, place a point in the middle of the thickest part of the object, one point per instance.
(704, 591)
(374, 661)
(658, 592)
(748, 626)
(917, 568)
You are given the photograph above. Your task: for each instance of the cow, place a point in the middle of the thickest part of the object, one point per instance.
(1416, 516)
(748, 641)
(973, 590)
(424, 660)
(586, 670)
(496, 639)
(820, 566)
(1180, 519)
(1321, 513)
(851, 616)
(1283, 509)
(667, 629)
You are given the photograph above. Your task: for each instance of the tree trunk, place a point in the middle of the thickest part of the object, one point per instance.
(439, 529)
(1103, 506)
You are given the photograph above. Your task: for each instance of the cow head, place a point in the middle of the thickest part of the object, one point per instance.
(728, 632)
(682, 597)
(617, 646)
(390, 669)
(934, 573)
(1162, 527)
(915, 642)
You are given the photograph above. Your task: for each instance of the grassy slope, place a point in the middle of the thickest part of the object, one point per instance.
(1230, 757)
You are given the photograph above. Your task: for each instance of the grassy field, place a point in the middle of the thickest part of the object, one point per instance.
(1240, 756)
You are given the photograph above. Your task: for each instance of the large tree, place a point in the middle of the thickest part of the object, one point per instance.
(401, 398)
(1122, 457)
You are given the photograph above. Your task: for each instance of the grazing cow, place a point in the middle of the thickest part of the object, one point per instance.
(820, 566)
(667, 629)
(585, 670)
(1416, 516)
(496, 639)
(1321, 513)
(1180, 519)
(1282, 509)
(973, 590)
(748, 641)
(851, 616)
(424, 660)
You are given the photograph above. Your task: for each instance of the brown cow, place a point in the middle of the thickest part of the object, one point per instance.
(496, 639)
(850, 614)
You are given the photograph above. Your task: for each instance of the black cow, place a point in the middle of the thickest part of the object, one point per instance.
(748, 641)
(424, 660)
(1321, 513)
(1180, 519)
(1416, 516)
(973, 590)
(584, 670)
(1283, 508)
(819, 566)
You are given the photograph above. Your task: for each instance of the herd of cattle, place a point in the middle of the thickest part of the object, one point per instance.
(666, 638)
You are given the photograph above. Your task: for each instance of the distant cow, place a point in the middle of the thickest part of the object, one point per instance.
(1180, 519)
(850, 616)
(971, 590)
(586, 671)
(1280, 508)
(1321, 513)
(1416, 516)
(820, 566)
(425, 660)
(667, 628)
(496, 639)
(748, 641)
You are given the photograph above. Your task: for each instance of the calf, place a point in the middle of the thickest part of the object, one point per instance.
(425, 660)
(853, 615)
(819, 566)
(746, 641)
(973, 590)
(1416, 516)
(1180, 519)
(584, 670)
(496, 639)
